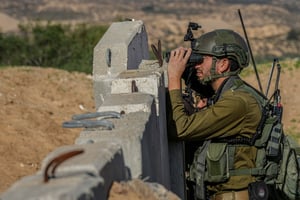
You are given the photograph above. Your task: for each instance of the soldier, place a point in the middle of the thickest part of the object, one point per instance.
(233, 114)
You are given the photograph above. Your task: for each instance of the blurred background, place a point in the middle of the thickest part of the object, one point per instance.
(273, 26)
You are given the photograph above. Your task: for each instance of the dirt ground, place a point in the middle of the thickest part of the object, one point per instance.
(35, 101)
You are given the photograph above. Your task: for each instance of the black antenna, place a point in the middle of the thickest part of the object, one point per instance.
(277, 98)
(271, 75)
(253, 62)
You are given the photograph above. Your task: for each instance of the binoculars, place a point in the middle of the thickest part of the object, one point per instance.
(195, 58)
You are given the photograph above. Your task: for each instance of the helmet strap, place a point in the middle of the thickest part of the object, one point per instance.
(213, 75)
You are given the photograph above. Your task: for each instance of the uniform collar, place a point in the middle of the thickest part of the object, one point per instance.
(226, 85)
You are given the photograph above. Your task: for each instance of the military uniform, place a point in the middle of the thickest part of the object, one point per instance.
(225, 161)
(235, 113)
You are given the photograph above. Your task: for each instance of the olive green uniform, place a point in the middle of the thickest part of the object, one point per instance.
(236, 113)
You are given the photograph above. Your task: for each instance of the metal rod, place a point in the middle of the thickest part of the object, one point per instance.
(270, 77)
(278, 76)
(105, 114)
(253, 62)
(88, 124)
(57, 161)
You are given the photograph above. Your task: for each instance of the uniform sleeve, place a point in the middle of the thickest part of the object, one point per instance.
(225, 118)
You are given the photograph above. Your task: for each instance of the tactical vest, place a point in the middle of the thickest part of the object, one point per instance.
(214, 161)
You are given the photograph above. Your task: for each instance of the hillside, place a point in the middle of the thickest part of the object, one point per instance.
(273, 26)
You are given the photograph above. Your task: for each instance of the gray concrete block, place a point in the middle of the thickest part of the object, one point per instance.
(128, 103)
(139, 102)
(102, 159)
(153, 64)
(79, 187)
(102, 87)
(149, 80)
(142, 81)
(127, 43)
(128, 132)
(139, 137)
(146, 81)
(122, 47)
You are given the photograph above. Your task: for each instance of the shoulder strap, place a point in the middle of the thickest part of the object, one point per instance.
(262, 101)
(239, 84)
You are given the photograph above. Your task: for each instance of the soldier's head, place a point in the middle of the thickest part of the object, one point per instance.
(220, 48)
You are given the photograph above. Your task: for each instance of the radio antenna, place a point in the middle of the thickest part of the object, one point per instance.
(253, 61)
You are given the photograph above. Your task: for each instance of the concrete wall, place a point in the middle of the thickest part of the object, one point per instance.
(126, 139)
(122, 47)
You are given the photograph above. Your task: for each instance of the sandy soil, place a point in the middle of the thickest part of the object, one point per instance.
(34, 103)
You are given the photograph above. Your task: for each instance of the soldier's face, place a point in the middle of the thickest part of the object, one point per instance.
(203, 69)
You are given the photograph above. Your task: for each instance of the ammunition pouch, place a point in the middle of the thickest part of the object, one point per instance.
(197, 170)
(217, 163)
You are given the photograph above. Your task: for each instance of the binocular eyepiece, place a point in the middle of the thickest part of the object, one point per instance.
(195, 58)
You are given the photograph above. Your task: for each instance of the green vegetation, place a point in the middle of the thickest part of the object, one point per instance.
(71, 48)
(51, 45)
(288, 64)
(297, 64)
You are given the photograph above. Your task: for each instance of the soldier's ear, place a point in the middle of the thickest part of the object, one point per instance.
(223, 65)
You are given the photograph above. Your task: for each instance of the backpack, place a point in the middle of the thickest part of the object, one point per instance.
(278, 155)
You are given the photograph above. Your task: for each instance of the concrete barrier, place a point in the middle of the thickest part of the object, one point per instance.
(85, 176)
(122, 47)
(132, 145)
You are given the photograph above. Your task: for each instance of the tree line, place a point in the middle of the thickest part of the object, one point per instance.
(51, 45)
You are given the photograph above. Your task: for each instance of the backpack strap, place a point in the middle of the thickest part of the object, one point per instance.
(231, 152)
(257, 171)
(263, 103)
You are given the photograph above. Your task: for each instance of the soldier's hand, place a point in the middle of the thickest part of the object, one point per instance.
(176, 66)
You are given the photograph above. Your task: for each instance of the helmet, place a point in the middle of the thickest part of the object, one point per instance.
(223, 42)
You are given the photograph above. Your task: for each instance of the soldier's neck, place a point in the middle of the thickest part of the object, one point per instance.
(216, 84)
